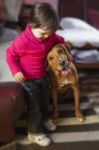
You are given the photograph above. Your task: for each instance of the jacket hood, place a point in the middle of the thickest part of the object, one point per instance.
(29, 33)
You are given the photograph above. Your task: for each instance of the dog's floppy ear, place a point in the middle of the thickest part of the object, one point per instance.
(68, 47)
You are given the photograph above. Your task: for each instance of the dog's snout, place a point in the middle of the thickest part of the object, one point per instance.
(63, 63)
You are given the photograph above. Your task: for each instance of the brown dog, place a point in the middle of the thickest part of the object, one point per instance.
(63, 76)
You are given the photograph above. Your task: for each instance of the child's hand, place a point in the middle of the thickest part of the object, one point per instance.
(19, 77)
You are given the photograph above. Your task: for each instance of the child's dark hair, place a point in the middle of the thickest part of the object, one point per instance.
(43, 14)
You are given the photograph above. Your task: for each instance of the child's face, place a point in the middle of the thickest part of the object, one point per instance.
(41, 33)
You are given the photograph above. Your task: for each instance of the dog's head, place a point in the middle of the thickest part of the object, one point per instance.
(59, 58)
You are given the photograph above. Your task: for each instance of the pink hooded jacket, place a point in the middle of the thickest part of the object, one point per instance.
(27, 54)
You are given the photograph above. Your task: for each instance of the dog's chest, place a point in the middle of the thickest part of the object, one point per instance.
(62, 83)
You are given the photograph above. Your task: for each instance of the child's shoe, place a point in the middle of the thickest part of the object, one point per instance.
(40, 139)
(49, 125)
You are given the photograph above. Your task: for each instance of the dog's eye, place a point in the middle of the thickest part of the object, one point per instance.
(50, 58)
(61, 51)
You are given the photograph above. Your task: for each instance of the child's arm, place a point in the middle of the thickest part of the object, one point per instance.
(12, 57)
(12, 60)
(59, 39)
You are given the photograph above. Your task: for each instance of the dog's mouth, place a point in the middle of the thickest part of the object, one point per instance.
(65, 71)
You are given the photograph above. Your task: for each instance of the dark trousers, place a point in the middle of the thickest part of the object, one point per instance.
(37, 100)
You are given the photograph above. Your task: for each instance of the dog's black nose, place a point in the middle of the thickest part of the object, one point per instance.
(63, 63)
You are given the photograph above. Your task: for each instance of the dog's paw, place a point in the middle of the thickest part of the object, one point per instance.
(80, 117)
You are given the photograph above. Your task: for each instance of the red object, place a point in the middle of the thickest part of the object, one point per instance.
(11, 108)
(93, 16)
(30, 53)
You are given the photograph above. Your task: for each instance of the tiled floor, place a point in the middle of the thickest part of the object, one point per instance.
(70, 133)
(64, 146)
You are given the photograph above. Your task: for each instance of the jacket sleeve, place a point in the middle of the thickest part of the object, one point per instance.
(12, 57)
(59, 39)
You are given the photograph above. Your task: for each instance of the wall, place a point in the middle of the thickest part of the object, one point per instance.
(52, 2)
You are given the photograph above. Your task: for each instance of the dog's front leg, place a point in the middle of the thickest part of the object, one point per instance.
(78, 112)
